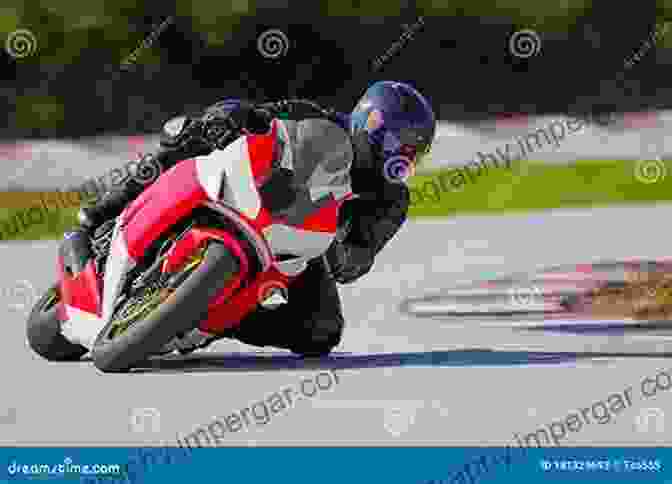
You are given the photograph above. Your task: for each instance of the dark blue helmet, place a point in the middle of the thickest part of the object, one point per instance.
(396, 121)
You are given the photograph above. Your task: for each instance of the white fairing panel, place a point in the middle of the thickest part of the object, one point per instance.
(229, 172)
(81, 327)
(305, 244)
(119, 262)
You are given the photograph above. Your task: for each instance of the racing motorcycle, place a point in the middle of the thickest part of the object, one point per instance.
(187, 260)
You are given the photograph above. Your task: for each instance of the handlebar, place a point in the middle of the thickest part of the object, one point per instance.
(224, 131)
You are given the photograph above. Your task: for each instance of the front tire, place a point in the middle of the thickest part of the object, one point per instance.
(180, 312)
(44, 330)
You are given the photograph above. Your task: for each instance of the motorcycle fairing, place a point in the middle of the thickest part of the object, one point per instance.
(228, 181)
(80, 305)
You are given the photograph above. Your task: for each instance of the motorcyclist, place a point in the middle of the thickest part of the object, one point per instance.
(392, 121)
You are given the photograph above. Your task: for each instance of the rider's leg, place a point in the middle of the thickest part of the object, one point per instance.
(124, 192)
(311, 323)
(109, 206)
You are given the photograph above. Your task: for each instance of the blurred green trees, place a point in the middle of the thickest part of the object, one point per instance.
(105, 32)
(65, 28)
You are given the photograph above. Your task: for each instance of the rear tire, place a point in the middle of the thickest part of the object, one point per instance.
(44, 331)
(180, 312)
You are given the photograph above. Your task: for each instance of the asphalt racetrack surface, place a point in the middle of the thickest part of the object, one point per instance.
(399, 380)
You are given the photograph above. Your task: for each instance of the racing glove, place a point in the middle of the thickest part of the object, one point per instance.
(349, 262)
(236, 116)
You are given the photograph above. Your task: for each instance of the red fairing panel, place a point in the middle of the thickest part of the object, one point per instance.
(262, 150)
(229, 314)
(198, 237)
(187, 246)
(83, 291)
(176, 193)
(324, 219)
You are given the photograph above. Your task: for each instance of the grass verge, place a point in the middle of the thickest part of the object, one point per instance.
(528, 186)
(538, 186)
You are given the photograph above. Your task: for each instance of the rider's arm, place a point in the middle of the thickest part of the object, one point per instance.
(379, 211)
(370, 220)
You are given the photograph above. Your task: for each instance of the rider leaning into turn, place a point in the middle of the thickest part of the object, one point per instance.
(392, 119)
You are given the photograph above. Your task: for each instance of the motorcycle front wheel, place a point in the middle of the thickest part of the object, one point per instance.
(144, 325)
(44, 330)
